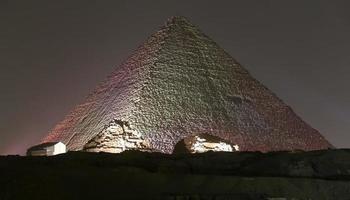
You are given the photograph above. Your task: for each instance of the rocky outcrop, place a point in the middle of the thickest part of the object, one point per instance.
(203, 143)
(117, 137)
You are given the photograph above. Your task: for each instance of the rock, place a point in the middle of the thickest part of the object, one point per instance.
(202, 143)
(115, 138)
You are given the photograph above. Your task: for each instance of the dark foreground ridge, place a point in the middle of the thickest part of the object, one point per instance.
(317, 175)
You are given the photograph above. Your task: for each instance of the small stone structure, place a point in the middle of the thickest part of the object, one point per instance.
(47, 149)
(203, 143)
(117, 137)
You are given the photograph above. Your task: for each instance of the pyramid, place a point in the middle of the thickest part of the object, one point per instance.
(180, 83)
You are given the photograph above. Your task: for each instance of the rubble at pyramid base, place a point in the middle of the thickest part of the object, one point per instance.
(117, 137)
(203, 143)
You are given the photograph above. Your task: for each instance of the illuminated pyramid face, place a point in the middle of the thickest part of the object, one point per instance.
(180, 83)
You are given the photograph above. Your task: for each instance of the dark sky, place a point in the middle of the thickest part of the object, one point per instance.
(53, 53)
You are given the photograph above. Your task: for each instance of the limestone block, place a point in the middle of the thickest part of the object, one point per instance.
(204, 142)
(115, 138)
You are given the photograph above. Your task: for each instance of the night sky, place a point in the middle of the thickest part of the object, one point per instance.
(54, 53)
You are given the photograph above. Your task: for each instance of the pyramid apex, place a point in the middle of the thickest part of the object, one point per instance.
(177, 20)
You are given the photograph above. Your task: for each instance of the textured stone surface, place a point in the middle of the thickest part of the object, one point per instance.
(117, 137)
(180, 83)
(203, 143)
(314, 175)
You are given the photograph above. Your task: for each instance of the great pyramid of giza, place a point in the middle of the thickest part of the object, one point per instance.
(180, 83)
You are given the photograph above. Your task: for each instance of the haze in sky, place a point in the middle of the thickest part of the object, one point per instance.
(53, 54)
